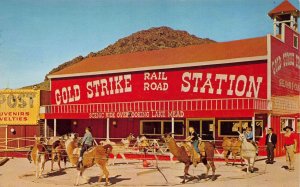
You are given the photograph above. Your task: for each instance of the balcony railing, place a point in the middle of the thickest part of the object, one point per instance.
(169, 105)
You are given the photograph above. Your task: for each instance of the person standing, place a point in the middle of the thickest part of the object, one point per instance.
(271, 140)
(87, 142)
(290, 146)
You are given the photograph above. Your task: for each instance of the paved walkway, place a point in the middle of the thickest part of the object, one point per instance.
(19, 172)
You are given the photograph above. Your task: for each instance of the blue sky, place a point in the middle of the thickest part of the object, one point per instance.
(38, 35)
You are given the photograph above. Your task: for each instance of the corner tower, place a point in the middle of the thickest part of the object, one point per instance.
(284, 13)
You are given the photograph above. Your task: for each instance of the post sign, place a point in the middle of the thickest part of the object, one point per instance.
(19, 107)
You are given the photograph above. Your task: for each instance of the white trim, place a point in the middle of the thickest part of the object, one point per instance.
(295, 36)
(296, 126)
(45, 128)
(171, 66)
(107, 129)
(269, 121)
(54, 133)
(172, 125)
(253, 127)
(283, 32)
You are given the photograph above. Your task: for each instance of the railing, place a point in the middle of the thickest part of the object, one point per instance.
(170, 105)
(16, 144)
(156, 146)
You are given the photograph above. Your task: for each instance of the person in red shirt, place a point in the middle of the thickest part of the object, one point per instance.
(290, 146)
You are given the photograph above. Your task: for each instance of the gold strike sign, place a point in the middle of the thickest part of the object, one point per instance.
(19, 107)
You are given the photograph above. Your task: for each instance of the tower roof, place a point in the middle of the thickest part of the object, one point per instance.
(284, 8)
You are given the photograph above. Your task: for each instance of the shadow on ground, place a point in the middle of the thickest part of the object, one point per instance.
(113, 180)
(254, 169)
(55, 173)
(198, 178)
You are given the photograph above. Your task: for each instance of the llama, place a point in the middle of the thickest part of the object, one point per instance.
(119, 148)
(96, 155)
(58, 153)
(248, 152)
(233, 146)
(182, 155)
(40, 156)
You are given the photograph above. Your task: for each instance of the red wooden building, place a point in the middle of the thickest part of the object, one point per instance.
(217, 88)
(20, 119)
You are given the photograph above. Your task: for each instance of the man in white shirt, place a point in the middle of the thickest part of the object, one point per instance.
(271, 140)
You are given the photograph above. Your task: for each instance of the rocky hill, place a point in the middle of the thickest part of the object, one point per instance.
(145, 40)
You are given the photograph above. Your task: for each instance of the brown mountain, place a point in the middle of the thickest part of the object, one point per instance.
(145, 40)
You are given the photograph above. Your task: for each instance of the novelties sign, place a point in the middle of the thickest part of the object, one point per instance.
(243, 80)
(19, 107)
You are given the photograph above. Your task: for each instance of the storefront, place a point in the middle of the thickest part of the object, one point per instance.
(218, 88)
(19, 118)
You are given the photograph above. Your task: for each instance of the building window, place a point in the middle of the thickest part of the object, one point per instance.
(151, 127)
(178, 127)
(230, 127)
(298, 125)
(258, 127)
(205, 127)
(158, 127)
(296, 42)
(284, 122)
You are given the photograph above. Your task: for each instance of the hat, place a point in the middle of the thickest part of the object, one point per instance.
(288, 127)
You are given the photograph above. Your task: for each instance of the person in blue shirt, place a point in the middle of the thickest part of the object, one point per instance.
(249, 137)
(87, 142)
(248, 134)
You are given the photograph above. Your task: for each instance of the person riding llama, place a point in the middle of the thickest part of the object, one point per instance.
(87, 142)
(249, 137)
(194, 138)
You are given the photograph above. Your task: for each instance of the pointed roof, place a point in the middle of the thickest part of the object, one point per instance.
(283, 8)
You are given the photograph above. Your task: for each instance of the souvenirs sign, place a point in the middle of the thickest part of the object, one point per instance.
(19, 107)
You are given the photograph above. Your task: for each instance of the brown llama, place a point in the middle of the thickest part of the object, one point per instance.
(120, 147)
(40, 156)
(182, 155)
(58, 153)
(233, 146)
(97, 155)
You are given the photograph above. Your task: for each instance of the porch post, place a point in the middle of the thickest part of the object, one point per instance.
(274, 27)
(107, 129)
(172, 127)
(45, 128)
(54, 134)
(253, 127)
(269, 121)
(6, 135)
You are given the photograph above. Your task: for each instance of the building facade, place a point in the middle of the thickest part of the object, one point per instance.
(218, 88)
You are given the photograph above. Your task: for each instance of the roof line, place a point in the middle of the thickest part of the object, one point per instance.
(172, 66)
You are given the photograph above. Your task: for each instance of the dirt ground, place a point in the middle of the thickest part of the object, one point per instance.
(19, 172)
